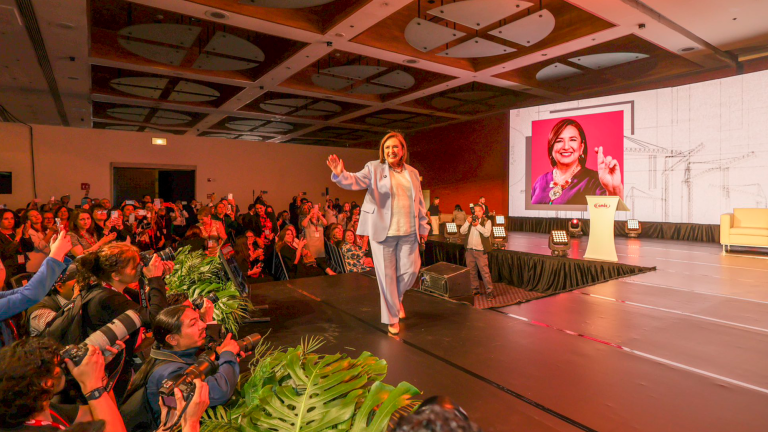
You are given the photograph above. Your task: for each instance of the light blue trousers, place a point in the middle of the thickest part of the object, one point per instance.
(397, 263)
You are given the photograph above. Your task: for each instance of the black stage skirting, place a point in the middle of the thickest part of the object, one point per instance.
(658, 230)
(543, 274)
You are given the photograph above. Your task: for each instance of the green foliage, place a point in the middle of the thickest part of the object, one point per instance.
(296, 389)
(197, 274)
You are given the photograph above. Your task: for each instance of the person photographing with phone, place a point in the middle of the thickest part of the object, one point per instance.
(394, 218)
(477, 245)
(314, 235)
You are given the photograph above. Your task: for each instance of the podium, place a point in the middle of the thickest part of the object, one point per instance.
(602, 210)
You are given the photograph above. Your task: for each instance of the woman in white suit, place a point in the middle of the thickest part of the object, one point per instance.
(393, 217)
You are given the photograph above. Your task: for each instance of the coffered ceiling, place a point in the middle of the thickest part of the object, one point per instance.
(343, 72)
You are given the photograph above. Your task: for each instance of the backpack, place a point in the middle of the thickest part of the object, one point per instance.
(67, 326)
(135, 409)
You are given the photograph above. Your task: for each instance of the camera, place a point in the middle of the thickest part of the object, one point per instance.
(199, 302)
(165, 255)
(106, 336)
(204, 367)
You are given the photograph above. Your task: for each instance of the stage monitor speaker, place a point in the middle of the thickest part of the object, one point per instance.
(445, 279)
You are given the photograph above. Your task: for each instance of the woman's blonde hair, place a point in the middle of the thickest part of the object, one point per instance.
(398, 136)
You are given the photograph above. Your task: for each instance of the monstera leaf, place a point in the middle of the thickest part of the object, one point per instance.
(297, 390)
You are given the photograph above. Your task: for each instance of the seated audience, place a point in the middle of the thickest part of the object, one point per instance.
(41, 235)
(31, 373)
(354, 256)
(298, 261)
(15, 242)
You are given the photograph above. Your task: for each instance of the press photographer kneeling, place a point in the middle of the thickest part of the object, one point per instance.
(179, 336)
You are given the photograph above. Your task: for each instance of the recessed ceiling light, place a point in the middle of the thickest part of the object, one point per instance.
(410, 61)
(687, 49)
(339, 35)
(219, 15)
(65, 25)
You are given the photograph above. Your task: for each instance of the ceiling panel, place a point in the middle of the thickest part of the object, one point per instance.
(390, 81)
(392, 119)
(475, 99)
(135, 128)
(300, 107)
(635, 62)
(147, 86)
(151, 117)
(570, 23)
(272, 128)
(142, 35)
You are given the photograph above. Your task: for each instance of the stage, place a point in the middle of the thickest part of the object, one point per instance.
(681, 348)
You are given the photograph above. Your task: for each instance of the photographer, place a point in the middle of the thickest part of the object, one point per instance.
(115, 267)
(20, 299)
(179, 334)
(31, 373)
(478, 244)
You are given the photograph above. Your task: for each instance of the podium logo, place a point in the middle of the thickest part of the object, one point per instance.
(602, 205)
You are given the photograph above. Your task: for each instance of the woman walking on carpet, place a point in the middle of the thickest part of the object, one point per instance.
(394, 218)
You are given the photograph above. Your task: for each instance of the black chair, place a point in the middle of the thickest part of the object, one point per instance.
(20, 279)
(278, 268)
(335, 258)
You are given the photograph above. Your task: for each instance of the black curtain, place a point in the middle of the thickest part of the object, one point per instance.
(658, 230)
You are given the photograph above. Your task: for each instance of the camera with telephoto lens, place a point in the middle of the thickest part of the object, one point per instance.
(204, 367)
(165, 255)
(106, 336)
(199, 302)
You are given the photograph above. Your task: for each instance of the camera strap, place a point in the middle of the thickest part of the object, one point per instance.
(164, 355)
(143, 293)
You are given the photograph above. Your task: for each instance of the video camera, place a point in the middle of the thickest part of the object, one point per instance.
(106, 336)
(204, 367)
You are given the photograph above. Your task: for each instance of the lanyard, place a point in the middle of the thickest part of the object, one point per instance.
(47, 423)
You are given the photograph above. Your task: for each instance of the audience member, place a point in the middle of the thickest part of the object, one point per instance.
(15, 242)
(354, 256)
(41, 236)
(212, 231)
(298, 261)
(313, 226)
(83, 234)
(62, 214)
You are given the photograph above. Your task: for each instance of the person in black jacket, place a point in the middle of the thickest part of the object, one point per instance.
(115, 267)
(14, 244)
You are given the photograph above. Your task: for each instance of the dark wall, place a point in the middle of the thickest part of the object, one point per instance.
(462, 161)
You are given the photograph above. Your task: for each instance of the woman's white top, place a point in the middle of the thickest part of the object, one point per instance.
(402, 222)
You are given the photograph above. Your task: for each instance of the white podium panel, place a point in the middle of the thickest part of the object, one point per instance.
(602, 210)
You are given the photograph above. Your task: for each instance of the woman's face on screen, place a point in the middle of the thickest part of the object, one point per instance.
(568, 146)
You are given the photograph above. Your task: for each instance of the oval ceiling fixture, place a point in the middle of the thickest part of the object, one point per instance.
(426, 36)
(331, 83)
(473, 95)
(171, 34)
(123, 128)
(606, 60)
(529, 30)
(372, 89)
(479, 13)
(475, 48)
(148, 87)
(358, 72)
(400, 79)
(166, 117)
(187, 91)
(220, 135)
(251, 138)
(245, 125)
(556, 71)
(135, 114)
(285, 4)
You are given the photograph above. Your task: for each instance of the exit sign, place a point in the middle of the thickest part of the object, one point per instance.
(85, 186)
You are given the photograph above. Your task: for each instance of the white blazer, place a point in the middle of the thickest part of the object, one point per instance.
(376, 211)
